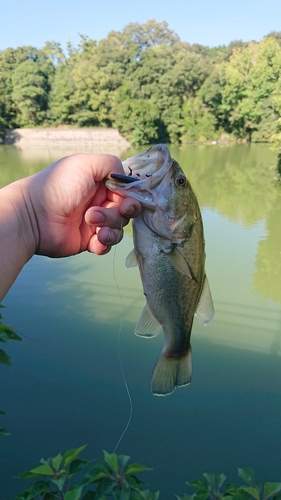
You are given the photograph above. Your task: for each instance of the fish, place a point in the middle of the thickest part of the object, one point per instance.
(169, 250)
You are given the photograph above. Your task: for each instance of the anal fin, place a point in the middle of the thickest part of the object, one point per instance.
(147, 326)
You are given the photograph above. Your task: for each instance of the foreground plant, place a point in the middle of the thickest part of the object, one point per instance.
(212, 487)
(116, 478)
(6, 333)
(112, 478)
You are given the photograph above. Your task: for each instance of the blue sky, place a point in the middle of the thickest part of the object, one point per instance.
(209, 22)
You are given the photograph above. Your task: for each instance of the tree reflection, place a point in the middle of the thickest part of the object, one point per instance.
(236, 180)
(239, 181)
(267, 279)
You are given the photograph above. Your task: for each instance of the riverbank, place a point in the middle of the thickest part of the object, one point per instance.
(63, 136)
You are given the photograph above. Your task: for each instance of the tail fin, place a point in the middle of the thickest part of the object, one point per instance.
(170, 373)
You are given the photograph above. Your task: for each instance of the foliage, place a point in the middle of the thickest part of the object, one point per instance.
(6, 333)
(149, 84)
(113, 478)
(26, 75)
(212, 487)
(116, 478)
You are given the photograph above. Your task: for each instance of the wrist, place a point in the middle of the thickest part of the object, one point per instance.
(20, 214)
(18, 231)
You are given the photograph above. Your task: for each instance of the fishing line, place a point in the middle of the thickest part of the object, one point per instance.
(118, 350)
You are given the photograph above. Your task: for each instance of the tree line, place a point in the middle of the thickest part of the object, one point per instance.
(149, 84)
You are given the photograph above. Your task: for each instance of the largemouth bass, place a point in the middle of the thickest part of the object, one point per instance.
(169, 250)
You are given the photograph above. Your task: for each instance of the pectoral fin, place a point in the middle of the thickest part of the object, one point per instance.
(178, 260)
(147, 326)
(205, 310)
(132, 259)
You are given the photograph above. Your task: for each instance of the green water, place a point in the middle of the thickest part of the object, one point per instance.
(65, 388)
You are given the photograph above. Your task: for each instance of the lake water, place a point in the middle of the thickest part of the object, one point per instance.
(65, 387)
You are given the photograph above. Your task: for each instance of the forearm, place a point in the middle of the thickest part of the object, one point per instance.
(17, 242)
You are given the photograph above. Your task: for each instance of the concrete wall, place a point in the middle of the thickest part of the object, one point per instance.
(64, 137)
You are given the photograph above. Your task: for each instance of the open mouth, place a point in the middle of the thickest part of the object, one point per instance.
(149, 165)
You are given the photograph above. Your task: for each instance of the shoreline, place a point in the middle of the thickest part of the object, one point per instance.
(63, 136)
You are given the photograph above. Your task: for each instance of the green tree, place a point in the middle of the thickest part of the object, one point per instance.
(30, 93)
(250, 78)
(9, 60)
(37, 70)
(199, 122)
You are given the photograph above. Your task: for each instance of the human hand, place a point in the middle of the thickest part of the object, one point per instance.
(71, 209)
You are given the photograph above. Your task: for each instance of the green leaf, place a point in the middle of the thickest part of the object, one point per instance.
(14, 336)
(106, 486)
(6, 333)
(133, 481)
(56, 461)
(135, 469)
(71, 455)
(221, 478)
(40, 487)
(247, 474)
(4, 358)
(98, 477)
(210, 478)
(186, 497)
(147, 495)
(123, 495)
(123, 460)
(100, 471)
(43, 470)
(47, 461)
(3, 431)
(77, 465)
(26, 475)
(198, 484)
(74, 493)
(59, 481)
(231, 490)
(271, 489)
(202, 495)
(252, 491)
(112, 460)
(239, 495)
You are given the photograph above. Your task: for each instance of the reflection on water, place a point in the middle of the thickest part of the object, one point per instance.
(267, 278)
(65, 387)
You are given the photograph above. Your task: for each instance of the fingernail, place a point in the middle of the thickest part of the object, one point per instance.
(129, 211)
(97, 218)
(110, 237)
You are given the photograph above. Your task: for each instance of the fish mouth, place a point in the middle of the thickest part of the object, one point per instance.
(143, 173)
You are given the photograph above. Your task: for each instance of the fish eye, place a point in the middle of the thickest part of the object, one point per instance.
(180, 181)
